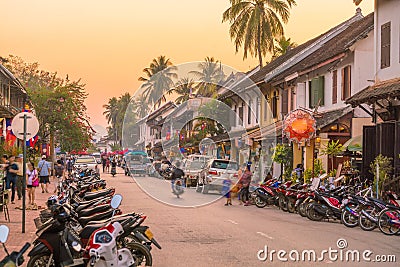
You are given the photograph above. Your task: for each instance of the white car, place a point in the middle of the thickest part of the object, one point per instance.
(216, 171)
(86, 162)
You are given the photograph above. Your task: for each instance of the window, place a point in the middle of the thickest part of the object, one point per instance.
(249, 112)
(346, 82)
(265, 107)
(316, 89)
(241, 113)
(385, 45)
(334, 87)
(275, 105)
(285, 101)
(257, 109)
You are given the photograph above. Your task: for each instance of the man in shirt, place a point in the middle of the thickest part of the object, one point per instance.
(11, 179)
(44, 170)
(20, 175)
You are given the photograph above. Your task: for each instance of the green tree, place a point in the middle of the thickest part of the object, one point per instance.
(210, 75)
(184, 87)
(385, 167)
(282, 45)
(59, 104)
(158, 79)
(332, 149)
(254, 24)
(283, 155)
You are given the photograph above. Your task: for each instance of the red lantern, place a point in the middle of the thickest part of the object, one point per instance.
(299, 126)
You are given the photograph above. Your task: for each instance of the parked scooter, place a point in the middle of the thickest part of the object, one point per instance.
(14, 259)
(102, 247)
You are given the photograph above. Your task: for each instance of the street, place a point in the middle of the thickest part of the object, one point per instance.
(217, 235)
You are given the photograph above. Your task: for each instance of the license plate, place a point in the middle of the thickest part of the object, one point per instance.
(149, 234)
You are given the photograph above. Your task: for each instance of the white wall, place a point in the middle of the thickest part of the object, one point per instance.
(363, 64)
(385, 11)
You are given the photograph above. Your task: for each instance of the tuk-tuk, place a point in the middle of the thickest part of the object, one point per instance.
(137, 164)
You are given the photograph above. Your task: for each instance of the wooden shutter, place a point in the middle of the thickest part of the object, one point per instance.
(321, 90)
(334, 87)
(348, 81)
(385, 45)
(285, 101)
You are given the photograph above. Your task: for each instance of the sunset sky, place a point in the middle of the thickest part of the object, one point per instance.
(108, 43)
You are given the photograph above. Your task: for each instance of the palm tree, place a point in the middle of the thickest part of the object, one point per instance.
(209, 75)
(256, 23)
(184, 88)
(158, 80)
(141, 106)
(111, 111)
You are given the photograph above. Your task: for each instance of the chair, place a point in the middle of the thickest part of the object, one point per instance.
(4, 196)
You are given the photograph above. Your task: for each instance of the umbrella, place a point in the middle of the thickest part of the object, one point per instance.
(354, 144)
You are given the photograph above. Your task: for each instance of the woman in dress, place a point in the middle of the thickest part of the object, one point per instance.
(32, 182)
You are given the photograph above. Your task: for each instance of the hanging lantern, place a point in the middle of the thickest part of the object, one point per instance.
(299, 126)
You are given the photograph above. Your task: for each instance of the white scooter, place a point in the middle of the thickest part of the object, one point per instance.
(102, 245)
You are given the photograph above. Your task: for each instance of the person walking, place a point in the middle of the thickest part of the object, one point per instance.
(11, 178)
(245, 181)
(44, 170)
(108, 164)
(104, 162)
(69, 165)
(20, 174)
(226, 190)
(58, 175)
(32, 181)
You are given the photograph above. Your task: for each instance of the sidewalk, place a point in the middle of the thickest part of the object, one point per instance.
(16, 239)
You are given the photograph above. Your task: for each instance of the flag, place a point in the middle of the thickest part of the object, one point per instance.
(10, 137)
(32, 141)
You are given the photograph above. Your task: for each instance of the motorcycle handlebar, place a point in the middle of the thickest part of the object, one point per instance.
(23, 249)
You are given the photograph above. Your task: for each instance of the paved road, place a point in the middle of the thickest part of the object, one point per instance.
(160, 190)
(216, 235)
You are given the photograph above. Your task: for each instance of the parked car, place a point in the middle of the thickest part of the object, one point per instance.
(137, 164)
(97, 156)
(86, 162)
(194, 169)
(216, 171)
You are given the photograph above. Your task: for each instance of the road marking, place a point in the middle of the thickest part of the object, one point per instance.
(233, 222)
(265, 235)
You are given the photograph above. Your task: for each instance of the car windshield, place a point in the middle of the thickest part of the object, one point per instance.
(225, 165)
(196, 165)
(85, 160)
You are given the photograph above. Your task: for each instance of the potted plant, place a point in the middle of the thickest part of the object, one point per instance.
(332, 149)
(384, 165)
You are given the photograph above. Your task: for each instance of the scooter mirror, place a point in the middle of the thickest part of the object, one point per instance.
(116, 201)
(4, 230)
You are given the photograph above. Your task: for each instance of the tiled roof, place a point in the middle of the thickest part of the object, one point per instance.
(337, 45)
(375, 92)
(328, 117)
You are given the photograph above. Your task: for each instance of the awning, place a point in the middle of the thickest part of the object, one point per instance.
(271, 131)
(354, 144)
(327, 117)
(380, 90)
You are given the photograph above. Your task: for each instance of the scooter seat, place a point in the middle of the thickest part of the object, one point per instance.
(89, 229)
(96, 217)
(92, 210)
(100, 193)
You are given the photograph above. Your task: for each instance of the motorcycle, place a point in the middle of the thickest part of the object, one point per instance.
(14, 259)
(102, 247)
(178, 187)
(113, 171)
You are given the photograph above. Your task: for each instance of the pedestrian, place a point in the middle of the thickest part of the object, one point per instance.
(58, 175)
(226, 189)
(108, 164)
(31, 183)
(299, 171)
(11, 179)
(104, 162)
(69, 165)
(20, 174)
(245, 181)
(44, 170)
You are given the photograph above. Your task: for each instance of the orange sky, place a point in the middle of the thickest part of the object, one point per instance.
(108, 43)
